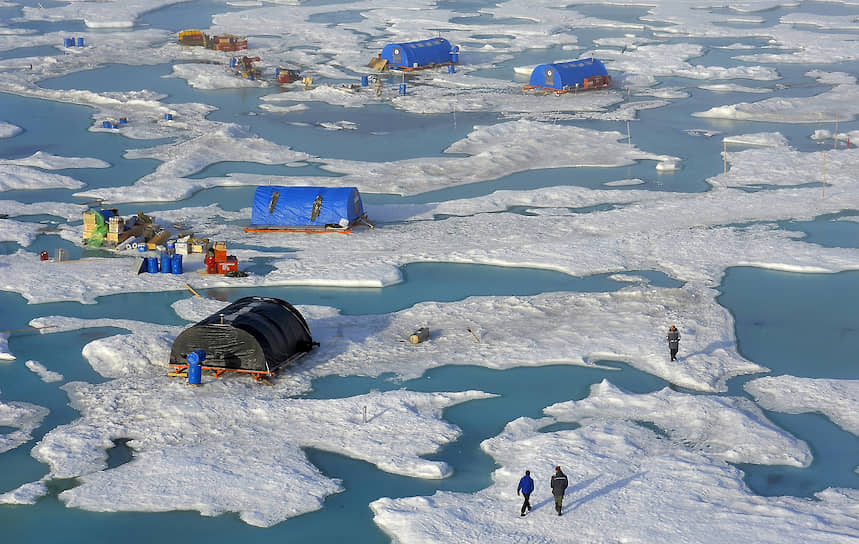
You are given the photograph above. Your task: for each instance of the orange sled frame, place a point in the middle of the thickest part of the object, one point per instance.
(220, 371)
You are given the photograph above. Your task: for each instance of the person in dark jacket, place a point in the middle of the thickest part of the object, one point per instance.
(526, 486)
(673, 341)
(559, 486)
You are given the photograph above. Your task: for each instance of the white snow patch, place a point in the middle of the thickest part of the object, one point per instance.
(232, 446)
(7, 130)
(24, 417)
(626, 484)
(46, 375)
(836, 399)
(14, 177)
(761, 139)
(48, 161)
(729, 428)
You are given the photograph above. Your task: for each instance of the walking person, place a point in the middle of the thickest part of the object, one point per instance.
(559, 486)
(673, 341)
(526, 486)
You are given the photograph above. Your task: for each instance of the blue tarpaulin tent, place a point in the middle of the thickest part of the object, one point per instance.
(420, 54)
(295, 208)
(578, 74)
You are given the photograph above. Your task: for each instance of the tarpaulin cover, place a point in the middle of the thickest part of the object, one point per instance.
(566, 74)
(306, 206)
(421, 53)
(252, 333)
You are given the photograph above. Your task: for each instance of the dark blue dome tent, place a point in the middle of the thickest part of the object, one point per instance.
(416, 55)
(575, 75)
(306, 209)
(255, 335)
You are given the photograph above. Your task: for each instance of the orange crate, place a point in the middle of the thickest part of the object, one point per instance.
(230, 265)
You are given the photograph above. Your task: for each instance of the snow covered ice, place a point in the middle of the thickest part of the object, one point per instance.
(651, 467)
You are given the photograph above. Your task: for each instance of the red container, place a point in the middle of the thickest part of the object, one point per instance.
(230, 265)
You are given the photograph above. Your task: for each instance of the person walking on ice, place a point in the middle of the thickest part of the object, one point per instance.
(673, 341)
(559, 486)
(526, 486)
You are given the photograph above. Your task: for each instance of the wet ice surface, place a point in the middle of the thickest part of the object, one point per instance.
(631, 454)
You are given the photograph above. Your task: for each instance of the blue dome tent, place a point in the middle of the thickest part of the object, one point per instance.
(579, 74)
(306, 209)
(418, 55)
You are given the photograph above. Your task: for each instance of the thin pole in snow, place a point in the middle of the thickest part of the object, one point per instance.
(365, 414)
(836, 133)
(628, 137)
(823, 186)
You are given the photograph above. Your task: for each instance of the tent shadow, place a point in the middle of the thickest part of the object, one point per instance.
(707, 350)
(338, 335)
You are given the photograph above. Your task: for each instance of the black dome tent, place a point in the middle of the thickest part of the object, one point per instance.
(256, 335)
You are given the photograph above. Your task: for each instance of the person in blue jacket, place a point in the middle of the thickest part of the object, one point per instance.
(526, 486)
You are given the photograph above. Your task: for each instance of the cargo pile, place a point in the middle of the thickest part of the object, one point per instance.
(244, 67)
(223, 42)
(218, 262)
(106, 227)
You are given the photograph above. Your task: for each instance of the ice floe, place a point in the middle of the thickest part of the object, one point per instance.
(24, 418)
(730, 428)
(14, 177)
(836, 399)
(43, 373)
(626, 483)
(233, 447)
(838, 103)
(47, 161)
(7, 130)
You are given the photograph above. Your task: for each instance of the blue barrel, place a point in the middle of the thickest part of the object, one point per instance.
(68, 42)
(141, 248)
(176, 264)
(195, 374)
(196, 357)
(152, 265)
(105, 124)
(451, 69)
(123, 120)
(402, 88)
(168, 116)
(454, 54)
(166, 264)
(80, 42)
(233, 62)
(365, 80)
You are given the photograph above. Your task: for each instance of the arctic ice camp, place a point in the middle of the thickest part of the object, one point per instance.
(345, 271)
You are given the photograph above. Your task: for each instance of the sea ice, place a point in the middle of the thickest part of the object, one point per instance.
(838, 103)
(627, 483)
(7, 130)
(48, 161)
(5, 354)
(24, 417)
(234, 446)
(13, 177)
(836, 399)
(43, 373)
(730, 428)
